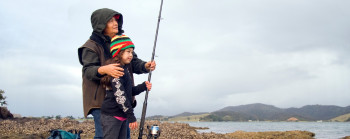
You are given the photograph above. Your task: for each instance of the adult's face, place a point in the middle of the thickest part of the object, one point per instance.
(111, 27)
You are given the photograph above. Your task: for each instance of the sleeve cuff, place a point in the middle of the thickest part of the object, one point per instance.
(98, 74)
(131, 118)
(144, 68)
(134, 104)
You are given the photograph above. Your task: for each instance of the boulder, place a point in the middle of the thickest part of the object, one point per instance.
(5, 113)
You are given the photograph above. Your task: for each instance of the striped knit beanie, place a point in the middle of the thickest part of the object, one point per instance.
(120, 42)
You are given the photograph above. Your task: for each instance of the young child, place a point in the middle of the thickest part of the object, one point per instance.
(117, 105)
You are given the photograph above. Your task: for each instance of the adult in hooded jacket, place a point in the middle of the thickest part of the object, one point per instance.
(92, 56)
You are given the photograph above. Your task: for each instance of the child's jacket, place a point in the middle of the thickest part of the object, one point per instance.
(118, 100)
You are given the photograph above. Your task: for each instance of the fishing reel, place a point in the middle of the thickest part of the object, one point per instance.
(153, 132)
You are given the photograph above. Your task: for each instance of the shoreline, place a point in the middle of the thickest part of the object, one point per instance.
(25, 128)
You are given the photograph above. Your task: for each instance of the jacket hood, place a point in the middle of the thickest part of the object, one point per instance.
(100, 17)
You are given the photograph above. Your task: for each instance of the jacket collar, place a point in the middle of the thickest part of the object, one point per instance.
(103, 41)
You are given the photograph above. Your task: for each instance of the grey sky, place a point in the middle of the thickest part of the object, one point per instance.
(210, 54)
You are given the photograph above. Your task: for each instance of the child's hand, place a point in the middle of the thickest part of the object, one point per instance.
(148, 85)
(133, 125)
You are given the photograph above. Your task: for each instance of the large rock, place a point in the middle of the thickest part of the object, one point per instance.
(5, 113)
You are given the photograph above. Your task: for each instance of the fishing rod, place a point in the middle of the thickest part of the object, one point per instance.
(143, 116)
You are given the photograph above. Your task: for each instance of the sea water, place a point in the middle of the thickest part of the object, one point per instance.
(323, 130)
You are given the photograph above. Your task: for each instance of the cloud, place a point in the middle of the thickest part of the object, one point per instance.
(209, 55)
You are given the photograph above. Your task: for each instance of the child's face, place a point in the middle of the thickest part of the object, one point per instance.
(127, 55)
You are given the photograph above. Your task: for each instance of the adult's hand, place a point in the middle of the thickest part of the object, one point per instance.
(150, 65)
(133, 125)
(113, 70)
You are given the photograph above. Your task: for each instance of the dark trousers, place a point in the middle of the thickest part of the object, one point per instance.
(113, 128)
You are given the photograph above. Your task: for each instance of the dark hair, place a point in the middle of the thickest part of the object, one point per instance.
(106, 80)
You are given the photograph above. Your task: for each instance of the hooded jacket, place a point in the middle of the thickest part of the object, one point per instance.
(93, 55)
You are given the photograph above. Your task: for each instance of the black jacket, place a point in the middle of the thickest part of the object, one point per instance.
(118, 100)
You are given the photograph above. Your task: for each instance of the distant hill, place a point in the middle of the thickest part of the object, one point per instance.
(188, 114)
(261, 112)
(255, 111)
(320, 112)
(197, 117)
(342, 118)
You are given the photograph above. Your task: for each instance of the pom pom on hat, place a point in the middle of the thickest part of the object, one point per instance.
(120, 42)
(116, 16)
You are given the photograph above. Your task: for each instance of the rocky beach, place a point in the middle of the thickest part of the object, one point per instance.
(38, 128)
